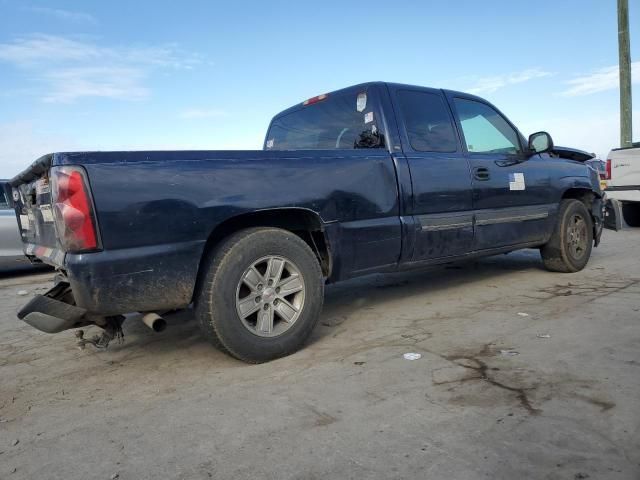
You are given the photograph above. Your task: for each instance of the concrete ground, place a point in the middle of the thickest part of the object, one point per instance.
(524, 374)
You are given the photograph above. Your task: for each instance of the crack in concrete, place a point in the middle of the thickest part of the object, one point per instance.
(482, 370)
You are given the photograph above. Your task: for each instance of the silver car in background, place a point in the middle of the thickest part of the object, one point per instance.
(11, 254)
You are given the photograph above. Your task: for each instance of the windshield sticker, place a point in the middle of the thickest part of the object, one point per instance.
(361, 102)
(516, 181)
(270, 143)
(368, 117)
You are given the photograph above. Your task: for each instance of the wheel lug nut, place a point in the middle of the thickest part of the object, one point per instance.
(277, 289)
(266, 307)
(260, 286)
(275, 302)
(258, 298)
(270, 282)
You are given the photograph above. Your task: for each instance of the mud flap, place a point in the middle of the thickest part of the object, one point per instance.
(597, 213)
(613, 215)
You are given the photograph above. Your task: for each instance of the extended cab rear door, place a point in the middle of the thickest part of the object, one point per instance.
(440, 202)
(512, 196)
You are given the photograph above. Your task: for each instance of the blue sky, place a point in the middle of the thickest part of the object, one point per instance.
(78, 75)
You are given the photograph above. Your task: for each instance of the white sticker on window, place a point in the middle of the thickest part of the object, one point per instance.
(516, 181)
(361, 102)
(270, 143)
(368, 117)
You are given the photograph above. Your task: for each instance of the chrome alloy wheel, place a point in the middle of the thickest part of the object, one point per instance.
(270, 296)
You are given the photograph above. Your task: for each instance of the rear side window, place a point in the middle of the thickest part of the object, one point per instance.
(427, 121)
(484, 129)
(341, 121)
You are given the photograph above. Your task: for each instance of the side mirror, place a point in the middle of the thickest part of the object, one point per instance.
(540, 142)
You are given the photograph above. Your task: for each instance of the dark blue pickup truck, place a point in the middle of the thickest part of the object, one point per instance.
(377, 177)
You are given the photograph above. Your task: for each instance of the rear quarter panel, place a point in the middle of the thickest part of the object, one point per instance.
(156, 210)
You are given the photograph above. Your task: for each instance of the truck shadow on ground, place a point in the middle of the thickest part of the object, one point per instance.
(13, 269)
(344, 299)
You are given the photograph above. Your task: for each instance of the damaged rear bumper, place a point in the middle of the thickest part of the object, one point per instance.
(95, 286)
(50, 313)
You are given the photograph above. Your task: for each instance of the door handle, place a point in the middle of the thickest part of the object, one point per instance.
(481, 173)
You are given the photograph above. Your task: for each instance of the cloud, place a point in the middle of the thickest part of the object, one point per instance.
(73, 68)
(493, 83)
(68, 15)
(599, 81)
(118, 83)
(195, 113)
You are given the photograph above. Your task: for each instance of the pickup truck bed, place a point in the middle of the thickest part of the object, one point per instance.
(153, 232)
(373, 178)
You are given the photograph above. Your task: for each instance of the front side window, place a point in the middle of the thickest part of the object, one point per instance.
(341, 121)
(484, 129)
(427, 122)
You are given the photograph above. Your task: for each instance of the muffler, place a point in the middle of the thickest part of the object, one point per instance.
(154, 321)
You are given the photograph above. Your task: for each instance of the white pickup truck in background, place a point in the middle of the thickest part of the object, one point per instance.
(623, 181)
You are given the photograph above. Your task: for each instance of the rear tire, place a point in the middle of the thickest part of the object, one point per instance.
(261, 294)
(569, 248)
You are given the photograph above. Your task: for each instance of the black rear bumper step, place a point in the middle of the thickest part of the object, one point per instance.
(622, 188)
(50, 315)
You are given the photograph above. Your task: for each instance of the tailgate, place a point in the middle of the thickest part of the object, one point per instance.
(625, 167)
(31, 196)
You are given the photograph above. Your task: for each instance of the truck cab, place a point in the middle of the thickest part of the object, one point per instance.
(468, 181)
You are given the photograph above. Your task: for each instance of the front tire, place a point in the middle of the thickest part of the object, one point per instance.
(569, 248)
(261, 295)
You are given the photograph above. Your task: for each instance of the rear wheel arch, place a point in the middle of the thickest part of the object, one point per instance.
(305, 223)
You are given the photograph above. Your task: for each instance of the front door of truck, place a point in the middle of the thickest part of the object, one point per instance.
(512, 196)
(440, 203)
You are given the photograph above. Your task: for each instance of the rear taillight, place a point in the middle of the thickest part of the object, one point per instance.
(74, 215)
(608, 170)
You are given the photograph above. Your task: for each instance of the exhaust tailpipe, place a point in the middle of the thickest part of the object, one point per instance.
(154, 321)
